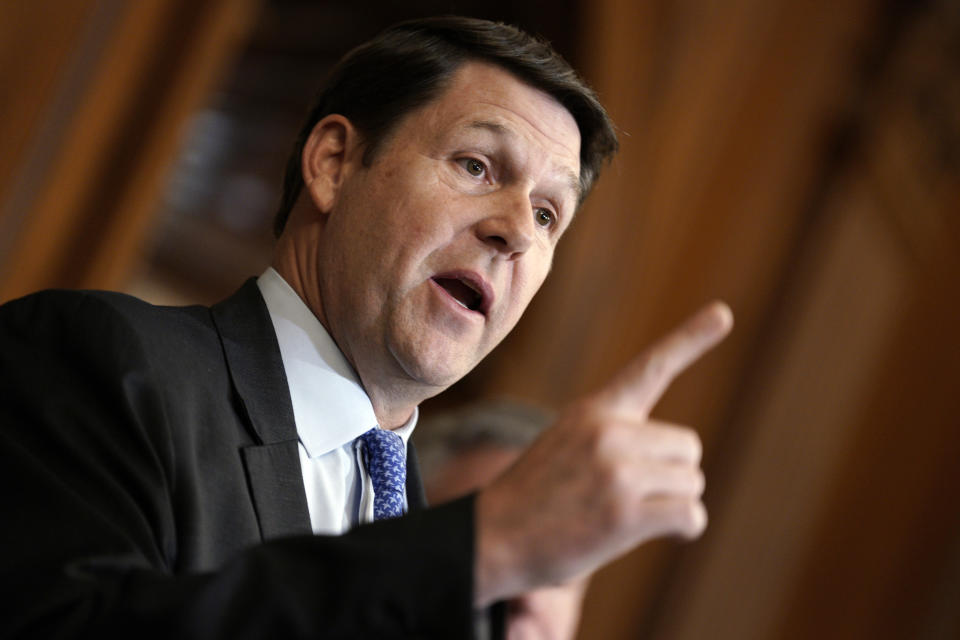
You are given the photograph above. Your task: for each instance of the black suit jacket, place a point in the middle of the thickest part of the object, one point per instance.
(151, 486)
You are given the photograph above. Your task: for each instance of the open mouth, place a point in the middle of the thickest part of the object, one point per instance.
(467, 292)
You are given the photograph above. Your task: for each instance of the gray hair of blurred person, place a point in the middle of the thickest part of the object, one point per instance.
(501, 423)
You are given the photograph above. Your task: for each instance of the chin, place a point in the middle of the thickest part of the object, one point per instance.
(436, 369)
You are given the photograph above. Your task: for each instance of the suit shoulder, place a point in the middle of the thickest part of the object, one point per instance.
(103, 307)
(74, 321)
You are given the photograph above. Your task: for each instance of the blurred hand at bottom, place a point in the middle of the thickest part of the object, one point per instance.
(549, 613)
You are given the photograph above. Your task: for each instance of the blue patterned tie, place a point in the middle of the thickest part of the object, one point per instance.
(384, 456)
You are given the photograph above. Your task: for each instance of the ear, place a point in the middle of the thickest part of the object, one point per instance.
(326, 155)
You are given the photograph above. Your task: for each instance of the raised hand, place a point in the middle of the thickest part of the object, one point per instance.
(604, 479)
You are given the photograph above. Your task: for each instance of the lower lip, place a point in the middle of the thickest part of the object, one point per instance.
(454, 303)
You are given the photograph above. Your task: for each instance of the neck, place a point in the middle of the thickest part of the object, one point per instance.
(391, 417)
(393, 399)
(297, 258)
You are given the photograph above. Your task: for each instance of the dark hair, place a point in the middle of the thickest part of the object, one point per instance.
(409, 64)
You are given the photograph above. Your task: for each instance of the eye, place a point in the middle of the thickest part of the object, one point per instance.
(473, 166)
(544, 217)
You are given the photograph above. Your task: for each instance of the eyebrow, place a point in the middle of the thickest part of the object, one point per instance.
(573, 180)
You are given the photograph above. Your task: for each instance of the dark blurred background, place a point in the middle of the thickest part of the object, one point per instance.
(799, 159)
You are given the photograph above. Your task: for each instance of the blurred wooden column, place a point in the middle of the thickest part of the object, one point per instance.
(839, 513)
(95, 95)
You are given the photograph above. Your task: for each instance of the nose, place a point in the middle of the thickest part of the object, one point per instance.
(508, 226)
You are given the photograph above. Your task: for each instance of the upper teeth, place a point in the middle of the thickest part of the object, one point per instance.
(471, 285)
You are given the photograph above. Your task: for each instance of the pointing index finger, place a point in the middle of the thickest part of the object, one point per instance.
(639, 385)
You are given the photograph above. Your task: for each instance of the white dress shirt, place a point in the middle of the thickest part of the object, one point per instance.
(330, 408)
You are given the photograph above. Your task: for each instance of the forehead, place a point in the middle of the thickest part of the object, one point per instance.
(484, 96)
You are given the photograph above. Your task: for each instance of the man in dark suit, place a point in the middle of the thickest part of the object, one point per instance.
(161, 467)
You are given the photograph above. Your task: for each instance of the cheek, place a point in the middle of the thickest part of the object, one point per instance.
(526, 283)
(537, 274)
(417, 209)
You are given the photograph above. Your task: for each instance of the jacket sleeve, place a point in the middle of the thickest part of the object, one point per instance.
(87, 543)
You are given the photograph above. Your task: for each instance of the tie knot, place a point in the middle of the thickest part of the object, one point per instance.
(385, 458)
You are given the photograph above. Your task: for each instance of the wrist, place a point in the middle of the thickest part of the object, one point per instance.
(496, 574)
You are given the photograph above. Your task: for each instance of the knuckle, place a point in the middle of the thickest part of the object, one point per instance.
(693, 519)
(602, 435)
(687, 441)
(582, 424)
(595, 438)
(694, 445)
(618, 479)
(699, 482)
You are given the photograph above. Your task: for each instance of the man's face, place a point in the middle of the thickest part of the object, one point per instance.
(430, 255)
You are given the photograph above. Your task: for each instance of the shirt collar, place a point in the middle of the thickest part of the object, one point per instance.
(330, 406)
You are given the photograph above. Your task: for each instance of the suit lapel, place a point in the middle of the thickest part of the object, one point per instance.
(256, 371)
(416, 498)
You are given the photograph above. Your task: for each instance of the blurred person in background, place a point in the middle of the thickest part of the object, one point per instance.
(463, 450)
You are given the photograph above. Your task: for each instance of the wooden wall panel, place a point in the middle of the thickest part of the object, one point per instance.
(35, 95)
(83, 186)
(890, 525)
(883, 560)
(812, 387)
